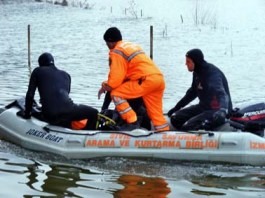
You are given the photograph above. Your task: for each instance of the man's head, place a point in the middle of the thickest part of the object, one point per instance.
(111, 36)
(46, 59)
(194, 58)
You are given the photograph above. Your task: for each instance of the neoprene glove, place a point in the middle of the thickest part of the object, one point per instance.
(23, 114)
(220, 116)
(171, 111)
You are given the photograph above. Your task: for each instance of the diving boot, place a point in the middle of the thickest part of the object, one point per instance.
(130, 126)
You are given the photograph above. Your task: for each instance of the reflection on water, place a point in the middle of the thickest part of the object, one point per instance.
(122, 178)
(238, 181)
(72, 181)
(139, 186)
(244, 183)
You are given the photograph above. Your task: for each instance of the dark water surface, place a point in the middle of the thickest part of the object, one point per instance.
(230, 34)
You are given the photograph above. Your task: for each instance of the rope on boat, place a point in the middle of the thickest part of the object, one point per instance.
(92, 133)
(210, 133)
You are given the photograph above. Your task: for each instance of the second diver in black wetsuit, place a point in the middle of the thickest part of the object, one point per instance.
(54, 87)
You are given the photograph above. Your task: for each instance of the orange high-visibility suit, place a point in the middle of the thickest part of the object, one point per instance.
(133, 74)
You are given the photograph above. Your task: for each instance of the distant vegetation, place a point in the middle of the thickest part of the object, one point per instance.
(132, 9)
(204, 16)
(74, 3)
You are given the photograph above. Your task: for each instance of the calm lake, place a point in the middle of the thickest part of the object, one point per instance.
(229, 32)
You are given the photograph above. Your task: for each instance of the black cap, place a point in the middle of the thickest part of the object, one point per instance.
(46, 59)
(112, 34)
(196, 56)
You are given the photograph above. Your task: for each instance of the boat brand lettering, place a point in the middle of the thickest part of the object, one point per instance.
(36, 133)
(53, 138)
(254, 113)
(257, 145)
(44, 135)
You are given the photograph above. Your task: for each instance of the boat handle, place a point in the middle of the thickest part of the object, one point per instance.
(230, 143)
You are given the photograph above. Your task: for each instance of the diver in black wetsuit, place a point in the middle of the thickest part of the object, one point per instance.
(211, 87)
(54, 87)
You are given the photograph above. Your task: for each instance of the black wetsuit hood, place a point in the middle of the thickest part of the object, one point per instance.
(197, 57)
(46, 59)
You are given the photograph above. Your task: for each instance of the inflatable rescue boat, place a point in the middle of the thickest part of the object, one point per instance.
(208, 146)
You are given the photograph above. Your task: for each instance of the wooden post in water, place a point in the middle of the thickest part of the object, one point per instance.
(151, 42)
(29, 61)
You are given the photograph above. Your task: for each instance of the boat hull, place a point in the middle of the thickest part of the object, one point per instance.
(229, 147)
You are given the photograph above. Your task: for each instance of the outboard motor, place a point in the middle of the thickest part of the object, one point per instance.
(251, 118)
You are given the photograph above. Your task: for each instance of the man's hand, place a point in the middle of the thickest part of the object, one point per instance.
(104, 88)
(221, 113)
(23, 114)
(100, 91)
(220, 116)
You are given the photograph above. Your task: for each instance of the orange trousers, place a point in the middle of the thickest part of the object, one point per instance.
(151, 90)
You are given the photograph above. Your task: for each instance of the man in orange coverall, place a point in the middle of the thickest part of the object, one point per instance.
(133, 74)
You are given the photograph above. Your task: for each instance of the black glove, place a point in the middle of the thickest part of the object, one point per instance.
(220, 116)
(171, 111)
(23, 114)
